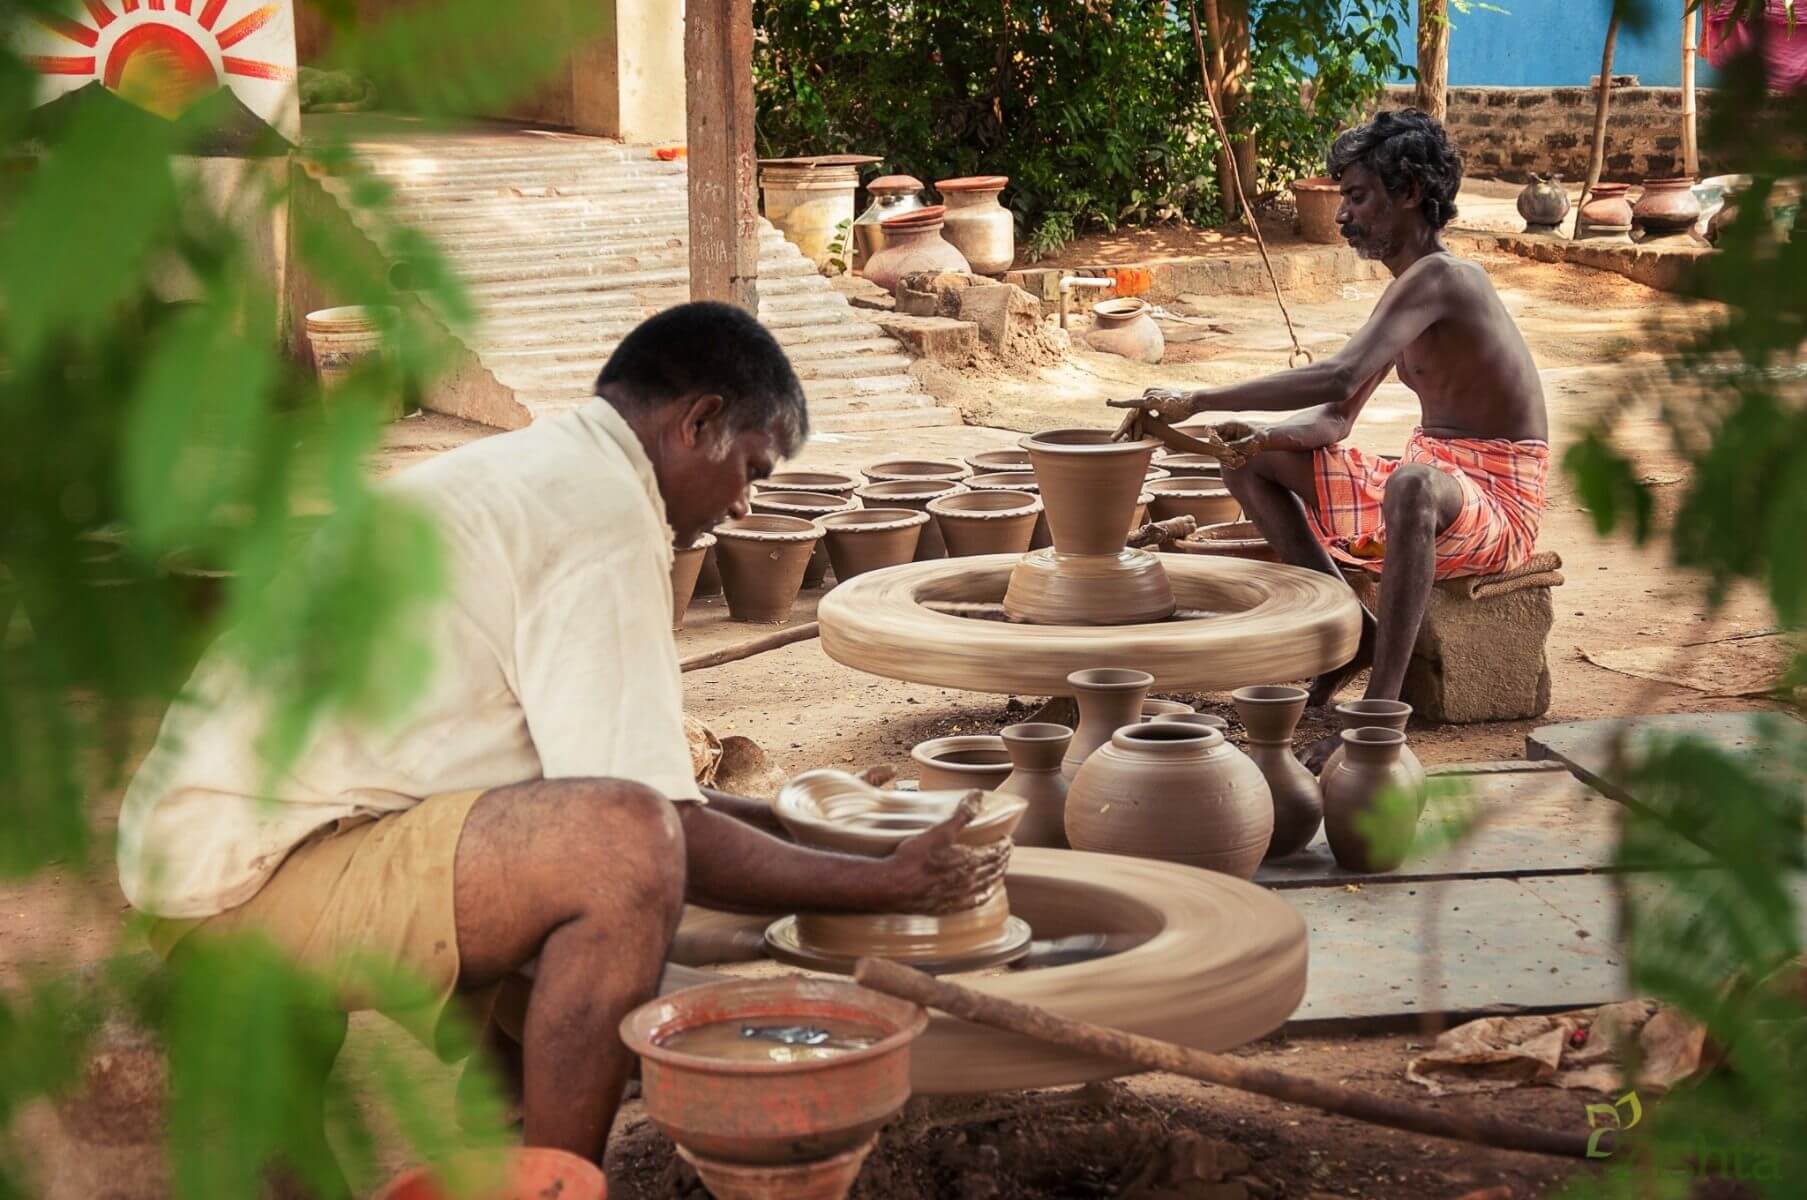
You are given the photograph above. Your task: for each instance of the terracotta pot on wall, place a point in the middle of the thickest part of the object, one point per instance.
(1667, 207)
(977, 224)
(1317, 200)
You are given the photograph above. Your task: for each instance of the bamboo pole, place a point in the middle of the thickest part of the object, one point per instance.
(1690, 119)
(1433, 58)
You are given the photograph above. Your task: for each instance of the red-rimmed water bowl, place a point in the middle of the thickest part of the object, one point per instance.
(772, 1113)
(524, 1173)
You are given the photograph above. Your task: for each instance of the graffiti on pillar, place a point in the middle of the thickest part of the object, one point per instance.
(163, 55)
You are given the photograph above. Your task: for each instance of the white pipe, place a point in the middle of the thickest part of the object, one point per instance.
(1069, 282)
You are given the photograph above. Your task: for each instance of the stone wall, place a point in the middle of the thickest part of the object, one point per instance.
(1508, 133)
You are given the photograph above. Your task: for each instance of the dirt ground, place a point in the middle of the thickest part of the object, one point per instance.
(1590, 334)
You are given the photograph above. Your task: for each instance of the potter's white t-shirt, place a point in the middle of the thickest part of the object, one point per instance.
(553, 658)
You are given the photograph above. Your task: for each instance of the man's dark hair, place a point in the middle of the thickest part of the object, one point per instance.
(705, 348)
(1402, 147)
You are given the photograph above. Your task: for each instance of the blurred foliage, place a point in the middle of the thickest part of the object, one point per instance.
(1094, 108)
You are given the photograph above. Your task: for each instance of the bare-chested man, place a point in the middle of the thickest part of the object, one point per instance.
(1467, 497)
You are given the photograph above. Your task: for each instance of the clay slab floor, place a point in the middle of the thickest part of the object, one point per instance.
(1589, 332)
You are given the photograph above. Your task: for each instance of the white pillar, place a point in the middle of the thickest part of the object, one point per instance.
(629, 82)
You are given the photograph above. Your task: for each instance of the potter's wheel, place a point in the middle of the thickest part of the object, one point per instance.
(786, 945)
(1259, 622)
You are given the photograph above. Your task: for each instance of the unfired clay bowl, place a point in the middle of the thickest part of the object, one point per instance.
(911, 468)
(986, 522)
(832, 482)
(962, 762)
(913, 494)
(867, 539)
(1191, 496)
(998, 460)
(1238, 539)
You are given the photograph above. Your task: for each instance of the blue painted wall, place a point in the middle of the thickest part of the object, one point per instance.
(1557, 43)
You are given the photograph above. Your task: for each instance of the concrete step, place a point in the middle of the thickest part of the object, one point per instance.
(496, 268)
(676, 272)
(781, 297)
(864, 374)
(873, 352)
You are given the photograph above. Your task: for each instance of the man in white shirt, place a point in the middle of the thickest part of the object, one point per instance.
(537, 802)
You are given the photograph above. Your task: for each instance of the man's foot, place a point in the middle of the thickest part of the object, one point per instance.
(1324, 688)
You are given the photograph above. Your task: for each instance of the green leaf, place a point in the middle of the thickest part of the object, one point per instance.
(1608, 486)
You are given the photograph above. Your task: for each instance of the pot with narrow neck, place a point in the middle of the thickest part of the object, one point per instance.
(913, 243)
(1109, 698)
(1543, 203)
(977, 224)
(1369, 813)
(1380, 714)
(1270, 713)
(891, 196)
(1036, 750)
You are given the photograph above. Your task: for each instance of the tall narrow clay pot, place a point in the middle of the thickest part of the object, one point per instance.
(807, 506)
(1380, 714)
(1109, 698)
(986, 522)
(1035, 752)
(869, 538)
(913, 494)
(1364, 833)
(1193, 496)
(1022, 480)
(686, 565)
(1089, 486)
(1270, 714)
(762, 562)
(1172, 792)
(833, 483)
(961, 762)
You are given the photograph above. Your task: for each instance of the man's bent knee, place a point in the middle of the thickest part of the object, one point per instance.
(1411, 496)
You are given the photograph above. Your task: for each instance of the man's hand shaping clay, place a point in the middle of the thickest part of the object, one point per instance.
(934, 873)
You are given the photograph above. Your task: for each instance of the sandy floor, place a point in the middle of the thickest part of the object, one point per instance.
(1589, 333)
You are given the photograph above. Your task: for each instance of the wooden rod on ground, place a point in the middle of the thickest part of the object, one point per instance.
(1154, 1055)
(747, 649)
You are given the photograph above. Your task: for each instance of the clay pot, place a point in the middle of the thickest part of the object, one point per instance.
(986, 522)
(869, 538)
(891, 196)
(1190, 496)
(1379, 714)
(913, 494)
(979, 227)
(1109, 698)
(1237, 539)
(960, 763)
(808, 506)
(1123, 326)
(915, 470)
(913, 243)
(762, 562)
(523, 1173)
(1667, 207)
(1089, 486)
(686, 565)
(1015, 481)
(1364, 834)
(1317, 200)
(1270, 714)
(1164, 708)
(708, 577)
(1196, 719)
(1191, 466)
(1543, 204)
(1035, 751)
(1607, 213)
(1129, 587)
(1172, 792)
(832, 483)
(998, 460)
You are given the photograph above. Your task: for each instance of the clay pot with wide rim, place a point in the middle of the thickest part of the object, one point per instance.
(1172, 792)
(1237, 539)
(986, 522)
(1036, 749)
(1109, 698)
(1197, 719)
(991, 461)
(1189, 496)
(762, 560)
(913, 494)
(1191, 466)
(1270, 713)
(913, 243)
(977, 224)
(1368, 832)
(1543, 203)
(890, 196)
(914, 470)
(1606, 214)
(1015, 481)
(832, 483)
(867, 539)
(1667, 207)
(1123, 326)
(808, 506)
(961, 762)
(1089, 486)
(686, 565)
(1316, 201)
(1379, 714)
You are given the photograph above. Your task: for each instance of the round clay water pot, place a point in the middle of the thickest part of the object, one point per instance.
(520, 1173)
(1164, 708)
(986, 522)
(891, 196)
(1089, 486)
(998, 460)
(1317, 200)
(1667, 207)
(762, 560)
(1365, 833)
(1379, 714)
(1015, 481)
(1172, 792)
(1109, 698)
(808, 506)
(913, 494)
(913, 243)
(1123, 326)
(686, 565)
(1190, 496)
(1237, 539)
(1035, 750)
(809, 203)
(1196, 719)
(709, 576)
(832, 483)
(979, 227)
(1270, 713)
(1607, 212)
(916, 470)
(869, 538)
(1191, 466)
(1543, 203)
(961, 762)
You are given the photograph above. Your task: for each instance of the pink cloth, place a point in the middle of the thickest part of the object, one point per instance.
(1784, 49)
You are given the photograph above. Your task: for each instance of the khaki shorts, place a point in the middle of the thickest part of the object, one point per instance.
(377, 890)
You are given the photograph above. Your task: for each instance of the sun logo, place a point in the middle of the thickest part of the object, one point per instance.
(163, 55)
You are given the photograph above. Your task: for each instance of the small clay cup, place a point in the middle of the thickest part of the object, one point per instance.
(686, 565)
(1195, 497)
(1035, 751)
(762, 563)
(1089, 485)
(962, 762)
(1270, 713)
(986, 522)
(1198, 719)
(916, 469)
(1109, 698)
(1364, 834)
(913, 494)
(1015, 481)
(998, 460)
(834, 483)
(808, 506)
(1164, 708)
(1379, 714)
(869, 538)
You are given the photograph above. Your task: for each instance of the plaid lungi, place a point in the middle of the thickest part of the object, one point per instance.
(1502, 485)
